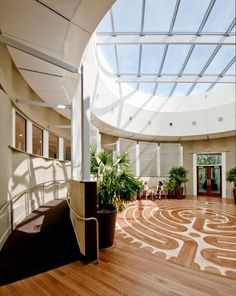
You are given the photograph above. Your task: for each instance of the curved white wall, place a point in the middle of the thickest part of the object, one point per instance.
(137, 113)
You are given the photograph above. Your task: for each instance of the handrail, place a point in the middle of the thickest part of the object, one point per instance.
(28, 190)
(86, 219)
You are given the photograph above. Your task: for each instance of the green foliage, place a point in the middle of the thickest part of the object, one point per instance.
(116, 184)
(179, 175)
(231, 176)
(169, 185)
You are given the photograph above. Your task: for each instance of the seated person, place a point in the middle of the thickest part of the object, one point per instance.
(148, 190)
(160, 189)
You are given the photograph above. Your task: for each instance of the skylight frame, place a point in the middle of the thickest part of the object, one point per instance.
(168, 38)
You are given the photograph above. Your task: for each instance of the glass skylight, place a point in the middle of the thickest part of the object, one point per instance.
(169, 47)
(158, 15)
(189, 14)
(151, 58)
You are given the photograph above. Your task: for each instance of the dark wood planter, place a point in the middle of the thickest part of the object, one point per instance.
(107, 223)
(171, 194)
(179, 192)
(234, 195)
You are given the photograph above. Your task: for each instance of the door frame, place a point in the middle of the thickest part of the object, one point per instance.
(223, 171)
(208, 173)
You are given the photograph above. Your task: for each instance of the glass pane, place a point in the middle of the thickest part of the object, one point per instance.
(198, 58)
(20, 136)
(182, 89)
(151, 58)
(67, 150)
(175, 57)
(200, 88)
(37, 134)
(105, 24)
(106, 55)
(215, 180)
(164, 89)
(222, 58)
(53, 146)
(190, 15)
(208, 159)
(128, 58)
(221, 16)
(158, 15)
(147, 87)
(202, 180)
(127, 18)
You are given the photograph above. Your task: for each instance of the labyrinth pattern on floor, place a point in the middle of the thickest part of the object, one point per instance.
(198, 235)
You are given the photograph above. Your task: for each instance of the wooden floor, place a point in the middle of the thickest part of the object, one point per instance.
(132, 268)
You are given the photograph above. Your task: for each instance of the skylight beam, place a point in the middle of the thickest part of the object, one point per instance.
(186, 60)
(204, 20)
(230, 28)
(133, 38)
(174, 17)
(143, 15)
(152, 78)
(173, 89)
(191, 88)
(155, 89)
(210, 60)
(112, 24)
(227, 67)
(163, 60)
(139, 60)
(211, 86)
(117, 62)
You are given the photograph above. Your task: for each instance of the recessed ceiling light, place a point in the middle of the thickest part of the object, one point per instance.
(61, 106)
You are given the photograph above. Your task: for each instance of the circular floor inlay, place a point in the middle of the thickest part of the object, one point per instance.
(189, 234)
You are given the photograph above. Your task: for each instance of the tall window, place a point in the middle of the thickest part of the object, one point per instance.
(67, 150)
(53, 146)
(20, 135)
(37, 140)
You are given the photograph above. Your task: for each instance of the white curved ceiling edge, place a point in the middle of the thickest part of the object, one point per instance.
(58, 28)
(196, 116)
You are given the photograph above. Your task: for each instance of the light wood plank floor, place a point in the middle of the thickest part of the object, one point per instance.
(128, 269)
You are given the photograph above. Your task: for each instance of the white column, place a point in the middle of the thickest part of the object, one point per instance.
(223, 171)
(194, 174)
(137, 160)
(80, 116)
(99, 141)
(118, 146)
(61, 149)
(29, 136)
(13, 127)
(158, 161)
(45, 143)
(181, 155)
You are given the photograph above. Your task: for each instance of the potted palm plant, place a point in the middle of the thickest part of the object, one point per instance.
(169, 188)
(116, 185)
(231, 178)
(179, 175)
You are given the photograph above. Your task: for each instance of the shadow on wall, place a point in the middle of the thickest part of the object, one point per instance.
(29, 171)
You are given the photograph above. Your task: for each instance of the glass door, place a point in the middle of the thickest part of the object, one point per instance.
(209, 180)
